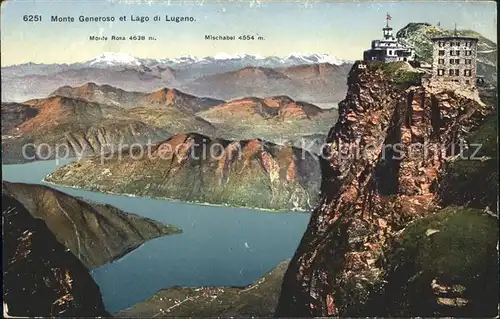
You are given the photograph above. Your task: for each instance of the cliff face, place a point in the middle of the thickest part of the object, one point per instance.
(376, 178)
(97, 234)
(193, 167)
(40, 276)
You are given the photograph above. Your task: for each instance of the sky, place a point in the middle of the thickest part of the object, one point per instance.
(341, 29)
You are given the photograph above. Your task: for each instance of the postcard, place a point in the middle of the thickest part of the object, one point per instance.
(249, 158)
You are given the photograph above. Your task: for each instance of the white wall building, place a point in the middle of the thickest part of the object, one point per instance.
(388, 49)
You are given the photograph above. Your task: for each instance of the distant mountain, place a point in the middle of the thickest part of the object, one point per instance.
(84, 127)
(21, 88)
(251, 109)
(31, 80)
(104, 94)
(275, 118)
(173, 97)
(315, 83)
(114, 59)
(194, 167)
(107, 94)
(278, 119)
(93, 118)
(14, 114)
(121, 60)
(419, 36)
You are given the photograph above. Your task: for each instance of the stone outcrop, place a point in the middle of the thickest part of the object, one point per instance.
(380, 172)
(41, 278)
(95, 233)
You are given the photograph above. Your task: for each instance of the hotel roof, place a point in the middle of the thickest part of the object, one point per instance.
(454, 37)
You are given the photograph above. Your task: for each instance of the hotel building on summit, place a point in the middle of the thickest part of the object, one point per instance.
(454, 59)
(388, 49)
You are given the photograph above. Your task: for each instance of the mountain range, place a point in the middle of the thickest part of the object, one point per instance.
(31, 80)
(116, 59)
(91, 118)
(316, 83)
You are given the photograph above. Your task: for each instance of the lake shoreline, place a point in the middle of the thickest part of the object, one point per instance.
(219, 246)
(176, 200)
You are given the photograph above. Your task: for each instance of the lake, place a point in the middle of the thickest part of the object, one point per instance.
(219, 246)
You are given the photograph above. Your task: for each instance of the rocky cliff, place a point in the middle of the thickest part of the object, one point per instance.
(41, 278)
(381, 171)
(95, 233)
(194, 167)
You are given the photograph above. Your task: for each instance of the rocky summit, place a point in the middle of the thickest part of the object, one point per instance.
(194, 167)
(96, 234)
(40, 276)
(359, 241)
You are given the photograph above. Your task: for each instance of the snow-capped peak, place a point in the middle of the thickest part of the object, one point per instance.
(185, 59)
(236, 56)
(313, 58)
(112, 58)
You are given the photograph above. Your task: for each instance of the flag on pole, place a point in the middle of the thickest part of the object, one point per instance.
(387, 18)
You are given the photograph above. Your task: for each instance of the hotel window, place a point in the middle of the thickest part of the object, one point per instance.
(390, 52)
(451, 61)
(467, 72)
(454, 52)
(441, 52)
(468, 52)
(451, 72)
(468, 61)
(457, 72)
(467, 82)
(440, 71)
(457, 61)
(440, 61)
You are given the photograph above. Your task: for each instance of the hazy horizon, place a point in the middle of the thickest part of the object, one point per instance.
(343, 30)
